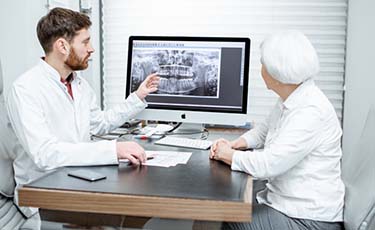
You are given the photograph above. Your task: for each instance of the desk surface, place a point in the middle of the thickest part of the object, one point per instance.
(202, 189)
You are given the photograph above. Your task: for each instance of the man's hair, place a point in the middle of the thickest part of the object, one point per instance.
(289, 57)
(60, 22)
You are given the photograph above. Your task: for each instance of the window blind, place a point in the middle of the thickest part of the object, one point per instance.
(323, 22)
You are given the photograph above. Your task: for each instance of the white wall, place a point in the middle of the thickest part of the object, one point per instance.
(19, 45)
(360, 74)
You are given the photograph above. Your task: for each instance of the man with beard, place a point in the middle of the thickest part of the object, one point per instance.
(54, 111)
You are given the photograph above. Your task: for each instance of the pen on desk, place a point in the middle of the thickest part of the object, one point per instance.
(140, 163)
(149, 158)
(129, 162)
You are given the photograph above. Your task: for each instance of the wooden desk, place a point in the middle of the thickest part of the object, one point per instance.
(202, 189)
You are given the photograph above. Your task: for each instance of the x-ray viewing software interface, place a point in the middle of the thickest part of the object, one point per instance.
(192, 73)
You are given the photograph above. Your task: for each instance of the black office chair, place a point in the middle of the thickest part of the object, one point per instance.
(358, 169)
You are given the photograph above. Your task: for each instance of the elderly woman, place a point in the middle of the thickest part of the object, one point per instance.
(297, 150)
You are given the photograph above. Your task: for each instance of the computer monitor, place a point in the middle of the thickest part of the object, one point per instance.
(202, 79)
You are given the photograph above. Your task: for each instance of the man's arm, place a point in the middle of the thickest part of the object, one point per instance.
(104, 121)
(46, 150)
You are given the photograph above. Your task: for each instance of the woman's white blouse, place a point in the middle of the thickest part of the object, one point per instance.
(301, 155)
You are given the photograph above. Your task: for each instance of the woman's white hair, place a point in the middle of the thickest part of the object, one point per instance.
(289, 57)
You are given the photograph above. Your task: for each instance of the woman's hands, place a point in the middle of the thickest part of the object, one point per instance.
(223, 149)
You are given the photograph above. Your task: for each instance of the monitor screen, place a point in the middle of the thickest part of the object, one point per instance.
(199, 76)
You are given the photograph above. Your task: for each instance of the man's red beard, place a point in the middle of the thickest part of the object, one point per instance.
(75, 63)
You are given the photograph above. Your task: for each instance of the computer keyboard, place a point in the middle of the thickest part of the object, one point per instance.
(184, 142)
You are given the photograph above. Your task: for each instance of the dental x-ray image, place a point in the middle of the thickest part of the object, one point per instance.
(187, 72)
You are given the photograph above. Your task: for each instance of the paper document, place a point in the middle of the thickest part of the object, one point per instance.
(165, 158)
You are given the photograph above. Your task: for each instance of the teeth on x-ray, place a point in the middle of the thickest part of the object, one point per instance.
(182, 72)
(176, 79)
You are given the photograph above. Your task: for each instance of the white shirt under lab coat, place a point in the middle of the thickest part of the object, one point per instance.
(301, 157)
(54, 129)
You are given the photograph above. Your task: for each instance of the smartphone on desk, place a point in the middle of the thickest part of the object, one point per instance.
(86, 174)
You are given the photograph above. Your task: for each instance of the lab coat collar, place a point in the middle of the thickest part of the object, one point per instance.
(52, 72)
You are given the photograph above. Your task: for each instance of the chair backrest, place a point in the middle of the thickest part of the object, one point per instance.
(8, 142)
(358, 171)
(10, 215)
(1, 80)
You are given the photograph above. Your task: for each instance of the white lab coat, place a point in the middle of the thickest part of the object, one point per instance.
(54, 129)
(301, 157)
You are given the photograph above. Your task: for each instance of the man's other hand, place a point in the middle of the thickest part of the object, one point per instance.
(131, 151)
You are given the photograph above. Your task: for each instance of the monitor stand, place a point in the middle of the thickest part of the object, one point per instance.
(189, 130)
(193, 130)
